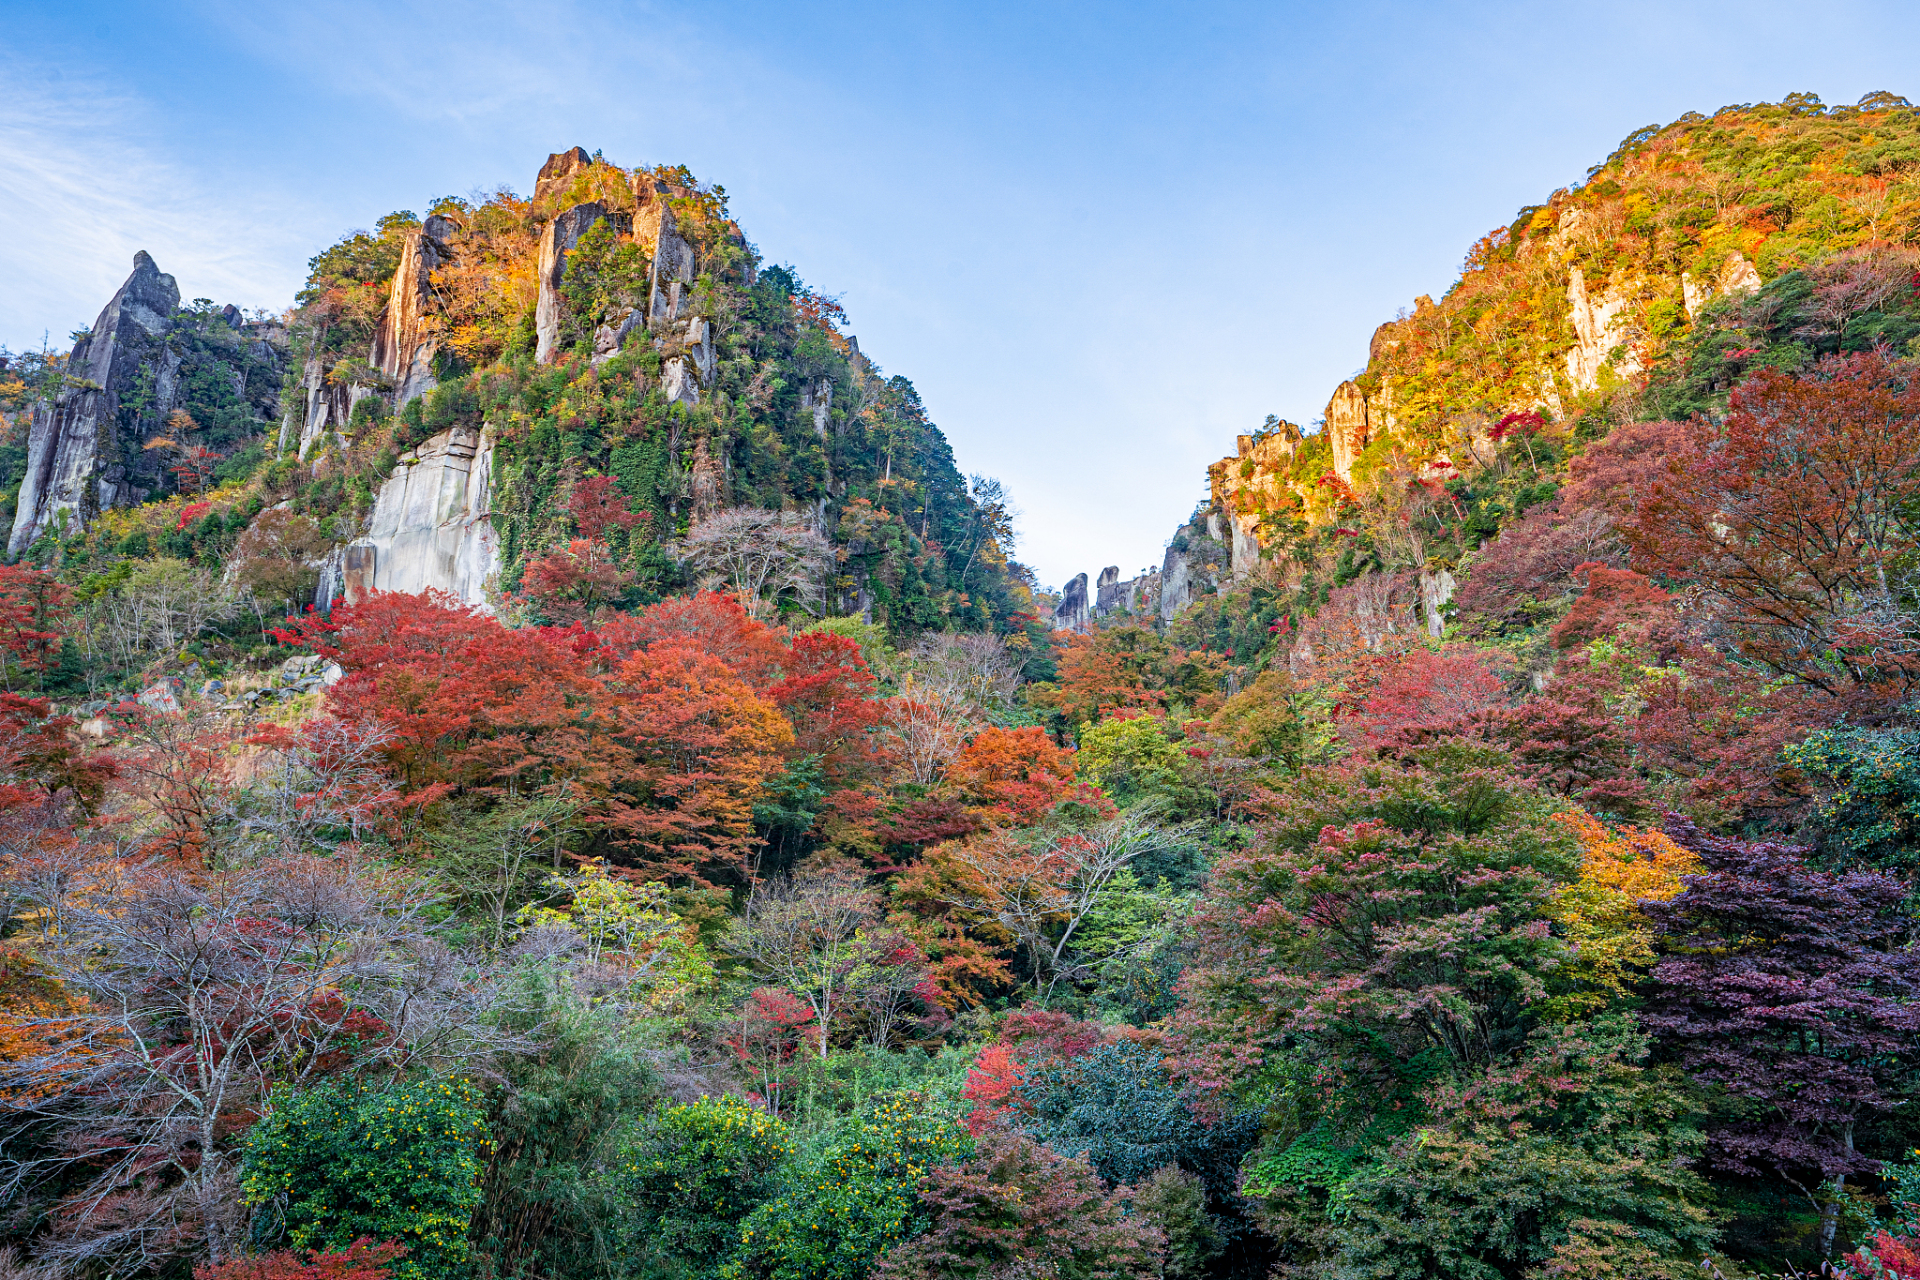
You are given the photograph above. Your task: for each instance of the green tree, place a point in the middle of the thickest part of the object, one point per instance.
(693, 1173)
(1575, 1161)
(1870, 813)
(554, 1203)
(330, 1165)
(857, 1198)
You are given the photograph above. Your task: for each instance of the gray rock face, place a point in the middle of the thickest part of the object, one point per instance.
(1176, 584)
(430, 529)
(325, 409)
(1600, 327)
(671, 258)
(1072, 613)
(73, 456)
(556, 242)
(1436, 590)
(409, 336)
(816, 399)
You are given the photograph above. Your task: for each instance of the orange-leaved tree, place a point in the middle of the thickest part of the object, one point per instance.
(1129, 668)
(1035, 888)
(465, 701)
(697, 742)
(1012, 776)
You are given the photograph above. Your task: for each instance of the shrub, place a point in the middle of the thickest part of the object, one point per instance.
(1176, 1202)
(1133, 760)
(361, 1260)
(853, 1201)
(1573, 1162)
(695, 1171)
(344, 1161)
(1118, 1106)
(1018, 1208)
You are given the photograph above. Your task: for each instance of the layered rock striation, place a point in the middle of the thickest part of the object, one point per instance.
(430, 529)
(408, 336)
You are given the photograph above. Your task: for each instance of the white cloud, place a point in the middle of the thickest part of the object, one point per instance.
(87, 180)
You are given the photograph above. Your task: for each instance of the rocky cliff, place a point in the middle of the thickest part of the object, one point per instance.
(1646, 291)
(408, 336)
(102, 441)
(574, 382)
(430, 529)
(1582, 304)
(615, 325)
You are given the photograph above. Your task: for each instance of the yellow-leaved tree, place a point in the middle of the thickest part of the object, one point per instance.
(1599, 913)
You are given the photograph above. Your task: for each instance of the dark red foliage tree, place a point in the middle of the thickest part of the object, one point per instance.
(1572, 747)
(1421, 691)
(828, 696)
(361, 1260)
(1794, 991)
(1792, 517)
(597, 505)
(1613, 598)
(32, 610)
(1017, 1206)
(712, 622)
(1535, 562)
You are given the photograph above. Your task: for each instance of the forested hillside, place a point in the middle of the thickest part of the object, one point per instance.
(536, 763)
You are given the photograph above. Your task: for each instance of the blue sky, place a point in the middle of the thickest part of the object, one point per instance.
(1101, 239)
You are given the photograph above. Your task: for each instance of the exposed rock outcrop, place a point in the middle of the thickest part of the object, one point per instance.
(1737, 277)
(556, 175)
(1603, 338)
(408, 336)
(1347, 428)
(73, 459)
(1176, 582)
(1436, 591)
(430, 528)
(670, 257)
(328, 410)
(1073, 613)
(142, 359)
(556, 242)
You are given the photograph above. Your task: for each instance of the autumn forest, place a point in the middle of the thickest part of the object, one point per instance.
(537, 761)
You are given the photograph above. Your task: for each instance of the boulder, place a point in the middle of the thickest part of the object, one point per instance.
(680, 381)
(1738, 277)
(163, 695)
(1436, 590)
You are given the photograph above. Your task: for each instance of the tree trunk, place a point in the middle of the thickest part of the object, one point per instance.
(1830, 1211)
